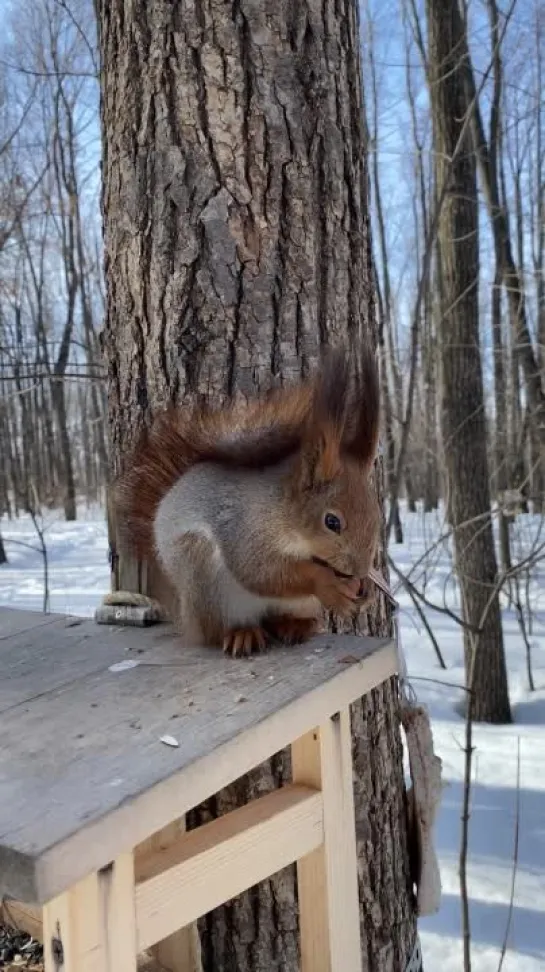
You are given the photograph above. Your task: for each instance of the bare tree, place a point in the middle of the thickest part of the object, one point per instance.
(391, 384)
(511, 273)
(50, 286)
(462, 395)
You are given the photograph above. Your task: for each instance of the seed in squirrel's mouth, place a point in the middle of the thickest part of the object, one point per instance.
(338, 573)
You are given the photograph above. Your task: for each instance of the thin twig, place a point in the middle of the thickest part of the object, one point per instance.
(464, 842)
(515, 864)
(414, 598)
(438, 681)
(519, 610)
(440, 608)
(31, 509)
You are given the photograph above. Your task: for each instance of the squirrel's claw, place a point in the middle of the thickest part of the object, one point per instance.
(241, 642)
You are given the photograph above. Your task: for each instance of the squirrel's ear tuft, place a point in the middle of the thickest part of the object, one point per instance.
(321, 460)
(361, 430)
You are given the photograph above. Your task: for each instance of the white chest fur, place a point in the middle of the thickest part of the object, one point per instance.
(237, 606)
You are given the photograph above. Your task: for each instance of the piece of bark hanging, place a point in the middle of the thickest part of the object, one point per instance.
(424, 799)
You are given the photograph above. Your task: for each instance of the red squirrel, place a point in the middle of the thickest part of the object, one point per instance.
(261, 513)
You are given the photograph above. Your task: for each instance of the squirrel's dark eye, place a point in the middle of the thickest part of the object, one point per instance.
(332, 522)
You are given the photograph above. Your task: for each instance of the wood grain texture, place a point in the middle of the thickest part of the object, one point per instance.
(311, 870)
(180, 951)
(221, 859)
(327, 878)
(341, 858)
(83, 773)
(13, 621)
(118, 913)
(74, 920)
(94, 923)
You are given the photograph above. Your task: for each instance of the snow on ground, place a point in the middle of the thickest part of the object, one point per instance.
(494, 788)
(79, 575)
(77, 555)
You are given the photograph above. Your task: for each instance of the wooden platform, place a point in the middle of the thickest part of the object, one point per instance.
(85, 777)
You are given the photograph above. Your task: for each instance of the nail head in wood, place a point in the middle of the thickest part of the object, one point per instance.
(57, 951)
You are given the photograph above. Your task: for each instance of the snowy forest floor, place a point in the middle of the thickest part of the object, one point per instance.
(79, 576)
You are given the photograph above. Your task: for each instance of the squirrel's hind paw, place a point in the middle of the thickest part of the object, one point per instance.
(293, 631)
(241, 642)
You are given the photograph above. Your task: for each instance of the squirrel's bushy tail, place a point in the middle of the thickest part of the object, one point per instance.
(250, 435)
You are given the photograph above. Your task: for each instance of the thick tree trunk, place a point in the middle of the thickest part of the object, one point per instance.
(429, 364)
(500, 472)
(389, 462)
(237, 241)
(463, 412)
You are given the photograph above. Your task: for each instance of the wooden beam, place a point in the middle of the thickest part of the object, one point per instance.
(328, 879)
(219, 860)
(117, 893)
(311, 870)
(341, 855)
(180, 951)
(71, 929)
(92, 927)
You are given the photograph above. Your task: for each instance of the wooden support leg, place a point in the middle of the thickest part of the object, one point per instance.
(328, 878)
(180, 952)
(92, 927)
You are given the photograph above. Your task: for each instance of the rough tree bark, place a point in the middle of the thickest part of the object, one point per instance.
(463, 412)
(236, 242)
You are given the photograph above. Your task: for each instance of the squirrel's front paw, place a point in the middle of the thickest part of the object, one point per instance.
(292, 631)
(341, 595)
(244, 641)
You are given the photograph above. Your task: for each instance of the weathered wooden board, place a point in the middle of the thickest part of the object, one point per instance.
(44, 658)
(13, 621)
(83, 772)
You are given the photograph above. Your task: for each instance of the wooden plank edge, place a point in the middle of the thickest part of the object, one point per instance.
(101, 841)
(219, 860)
(181, 951)
(35, 620)
(294, 811)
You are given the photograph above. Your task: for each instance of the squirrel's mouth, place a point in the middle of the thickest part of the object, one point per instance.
(338, 573)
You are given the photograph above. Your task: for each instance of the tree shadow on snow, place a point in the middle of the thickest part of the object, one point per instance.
(488, 921)
(490, 864)
(531, 712)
